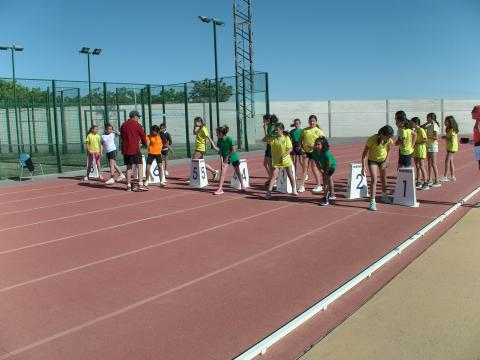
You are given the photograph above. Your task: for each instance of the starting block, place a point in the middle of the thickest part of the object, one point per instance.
(235, 183)
(357, 183)
(405, 191)
(93, 174)
(154, 177)
(198, 174)
(283, 182)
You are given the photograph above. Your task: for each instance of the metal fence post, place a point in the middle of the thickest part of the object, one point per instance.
(118, 109)
(244, 112)
(9, 131)
(267, 95)
(34, 126)
(49, 122)
(163, 106)
(105, 105)
(329, 103)
(55, 124)
(142, 97)
(210, 109)
(442, 114)
(29, 127)
(80, 131)
(62, 122)
(186, 120)
(387, 111)
(149, 99)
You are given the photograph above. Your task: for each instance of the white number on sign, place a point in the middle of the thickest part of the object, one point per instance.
(360, 178)
(404, 188)
(156, 172)
(195, 173)
(203, 173)
(244, 175)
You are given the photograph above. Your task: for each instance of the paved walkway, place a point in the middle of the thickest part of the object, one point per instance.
(431, 310)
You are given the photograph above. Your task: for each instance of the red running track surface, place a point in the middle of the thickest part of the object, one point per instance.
(89, 271)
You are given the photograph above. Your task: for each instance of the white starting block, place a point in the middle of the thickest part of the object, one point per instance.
(283, 182)
(235, 183)
(198, 174)
(93, 174)
(357, 183)
(154, 171)
(405, 192)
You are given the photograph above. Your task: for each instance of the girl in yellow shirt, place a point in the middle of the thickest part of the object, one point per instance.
(451, 128)
(432, 128)
(406, 139)
(281, 147)
(94, 150)
(420, 154)
(307, 140)
(201, 136)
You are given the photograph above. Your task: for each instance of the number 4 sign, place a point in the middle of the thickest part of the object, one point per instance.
(405, 193)
(357, 183)
(234, 183)
(198, 174)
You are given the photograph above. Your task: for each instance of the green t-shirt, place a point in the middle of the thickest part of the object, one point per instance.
(323, 158)
(225, 146)
(295, 135)
(271, 130)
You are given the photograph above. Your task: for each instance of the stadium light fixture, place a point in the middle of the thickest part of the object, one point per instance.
(96, 51)
(84, 50)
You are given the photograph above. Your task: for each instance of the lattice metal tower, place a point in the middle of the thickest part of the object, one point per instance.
(244, 75)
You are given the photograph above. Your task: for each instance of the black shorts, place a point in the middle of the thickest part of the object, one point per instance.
(165, 152)
(268, 151)
(152, 157)
(132, 159)
(330, 172)
(235, 163)
(297, 149)
(309, 155)
(405, 160)
(112, 155)
(378, 163)
(451, 152)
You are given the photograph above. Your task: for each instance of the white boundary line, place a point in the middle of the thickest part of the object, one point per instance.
(261, 347)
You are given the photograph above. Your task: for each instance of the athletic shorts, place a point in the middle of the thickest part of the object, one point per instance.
(451, 152)
(112, 155)
(309, 155)
(432, 149)
(268, 151)
(235, 163)
(202, 153)
(405, 160)
(165, 152)
(152, 157)
(477, 152)
(132, 159)
(330, 172)
(94, 156)
(378, 163)
(297, 149)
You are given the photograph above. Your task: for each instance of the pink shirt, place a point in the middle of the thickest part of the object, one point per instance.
(476, 132)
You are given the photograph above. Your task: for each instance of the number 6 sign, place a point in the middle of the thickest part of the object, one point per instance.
(357, 183)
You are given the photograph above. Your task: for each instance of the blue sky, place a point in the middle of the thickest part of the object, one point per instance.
(312, 49)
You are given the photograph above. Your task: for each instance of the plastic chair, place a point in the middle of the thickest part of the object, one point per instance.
(23, 159)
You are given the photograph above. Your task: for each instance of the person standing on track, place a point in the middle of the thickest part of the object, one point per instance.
(377, 151)
(476, 137)
(433, 129)
(154, 153)
(132, 134)
(420, 154)
(326, 164)
(269, 123)
(202, 135)
(307, 140)
(166, 146)
(108, 142)
(297, 152)
(451, 140)
(406, 140)
(94, 151)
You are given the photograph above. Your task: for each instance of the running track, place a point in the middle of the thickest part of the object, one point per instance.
(92, 272)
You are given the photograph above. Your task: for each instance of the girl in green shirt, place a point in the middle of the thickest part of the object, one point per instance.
(228, 155)
(297, 152)
(327, 165)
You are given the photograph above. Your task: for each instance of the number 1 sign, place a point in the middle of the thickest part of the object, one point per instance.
(405, 193)
(357, 183)
(198, 174)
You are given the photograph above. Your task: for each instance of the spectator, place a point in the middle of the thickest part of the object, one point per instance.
(476, 136)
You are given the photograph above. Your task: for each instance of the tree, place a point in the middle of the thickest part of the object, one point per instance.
(200, 93)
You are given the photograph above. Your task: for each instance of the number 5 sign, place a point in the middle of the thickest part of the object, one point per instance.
(357, 183)
(198, 174)
(405, 193)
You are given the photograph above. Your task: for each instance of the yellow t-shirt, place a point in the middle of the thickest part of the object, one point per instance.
(431, 129)
(93, 143)
(420, 145)
(452, 141)
(279, 146)
(201, 140)
(309, 137)
(406, 147)
(378, 152)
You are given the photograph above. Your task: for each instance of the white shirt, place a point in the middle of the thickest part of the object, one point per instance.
(108, 142)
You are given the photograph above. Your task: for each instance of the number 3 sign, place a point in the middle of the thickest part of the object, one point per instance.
(357, 183)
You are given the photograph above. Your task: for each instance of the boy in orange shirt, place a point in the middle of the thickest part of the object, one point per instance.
(154, 153)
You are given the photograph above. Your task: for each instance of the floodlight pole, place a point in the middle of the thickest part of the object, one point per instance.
(15, 96)
(216, 72)
(89, 87)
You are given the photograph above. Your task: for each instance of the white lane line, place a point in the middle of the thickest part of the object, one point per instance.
(93, 212)
(115, 226)
(46, 196)
(37, 189)
(150, 299)
(136, 251)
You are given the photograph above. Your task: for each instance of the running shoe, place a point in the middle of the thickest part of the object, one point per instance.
(301, 189)
(110, 181)
(436, 184)
(444, 179)
(166, 173)
(163, 183)
(373, 206)
(425, 187)
(85, 178)
(295, 193)
(386, 199)
(218, 192)
(317, 189)
(121, 178)
(332, 197)
(418, 184)
(129, 187)
(452, 178)
(268, 196)
(325, 201)
(142, 187)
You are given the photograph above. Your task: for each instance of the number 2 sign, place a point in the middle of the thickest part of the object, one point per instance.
(357, 183)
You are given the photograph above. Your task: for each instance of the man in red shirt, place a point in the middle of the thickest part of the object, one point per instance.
(476, 136)
(131, 133)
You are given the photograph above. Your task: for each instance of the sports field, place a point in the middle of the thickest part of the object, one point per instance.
(90, 271)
